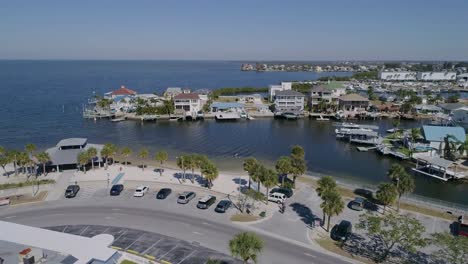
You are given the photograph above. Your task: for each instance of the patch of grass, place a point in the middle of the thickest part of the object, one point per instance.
(244, 218)
(15, 200)
(427, 211)
(24, 184)
(126, 261)
(333, 246)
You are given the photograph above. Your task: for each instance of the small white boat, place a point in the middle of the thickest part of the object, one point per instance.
(392, 130)
(174, 118)
(118, 119)
(250, 118)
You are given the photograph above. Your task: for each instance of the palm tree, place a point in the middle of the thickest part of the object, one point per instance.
(182, 164)
(463, 148)
(283, 167)
(92, 153)
(202, 161)
(13, 157)
(161, 156)
(403, 181)
(415, 134)
(30, 148)
(331, 205)
(247, 246)
(386, 194)
(298, 163)
(4, 160)
(105, 153)
(325, 184)
(23, 161)
(269, 180)
(143, 155)
(126, 152)
(43, 158)
(250, 165)
(211, 173)
(83, 159)
(192, 163)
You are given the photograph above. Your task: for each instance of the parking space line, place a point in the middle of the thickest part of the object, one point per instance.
(81, 233)
(169, 251)
(125, 230)
(144, 252)
(135, 241)
(191, 253)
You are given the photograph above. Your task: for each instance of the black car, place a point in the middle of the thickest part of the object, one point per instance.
(163, 193)
(71, 191)
(286, 191)
(223, 206)
(342, 231)
(116, 189)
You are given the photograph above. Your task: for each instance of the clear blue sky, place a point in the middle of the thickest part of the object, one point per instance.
(235, 30)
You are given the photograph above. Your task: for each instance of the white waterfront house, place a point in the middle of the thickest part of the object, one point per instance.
(227, 107)
(188, 104)
(437, 76)
(289, 101)
(272, 89)
(398, 76)
(320, 94)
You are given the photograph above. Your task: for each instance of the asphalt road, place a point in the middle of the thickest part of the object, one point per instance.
(210, 230)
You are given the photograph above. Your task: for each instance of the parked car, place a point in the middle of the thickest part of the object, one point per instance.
(116, 189)
(357, 204)
(163, 193)
(223, 206)
(341, 231)
(286, 191)
(206, 202)
(140, 191)
(71, 191)
(277, 197)
(185, 197)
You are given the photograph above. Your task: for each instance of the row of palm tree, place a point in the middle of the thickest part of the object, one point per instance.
(26, 160)
(260, 174)
(207, 168)
(332, 202)
(401, 183)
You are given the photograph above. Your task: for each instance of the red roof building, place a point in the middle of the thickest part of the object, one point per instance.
(123, 91)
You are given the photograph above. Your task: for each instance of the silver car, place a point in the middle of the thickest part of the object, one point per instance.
(185, 197)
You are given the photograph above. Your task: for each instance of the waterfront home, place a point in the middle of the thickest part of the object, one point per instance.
(188, 104)
(122, 91)
(449, 108)
(460, 117)
(289, 101)
(272, 89)
(172, 91)
(427, 109)
(250, 98)
(227, 107)
(122, 103)
(352, 102)
(64, 154)
(385, 107)
(320, 95)
(435, 135)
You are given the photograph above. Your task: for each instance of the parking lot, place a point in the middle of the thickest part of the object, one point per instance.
(99, 192)
(145, 243)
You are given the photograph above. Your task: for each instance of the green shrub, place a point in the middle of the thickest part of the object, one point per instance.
(262, 214)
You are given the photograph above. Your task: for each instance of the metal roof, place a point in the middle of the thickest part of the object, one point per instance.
(72, 142)
(353, 98)
(222, 105)
(438, 133)
(84, 249)
(288, 93)
(187, 96)
(451, 106)
(70, 156)
(438, 161)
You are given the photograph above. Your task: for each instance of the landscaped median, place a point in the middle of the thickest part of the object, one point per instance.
(15, 185)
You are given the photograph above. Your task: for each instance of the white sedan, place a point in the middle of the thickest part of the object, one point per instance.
(140, 191)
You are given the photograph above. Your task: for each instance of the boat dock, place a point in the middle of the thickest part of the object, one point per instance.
(385, 150)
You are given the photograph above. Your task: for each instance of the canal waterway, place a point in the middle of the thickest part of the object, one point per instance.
(41, 103)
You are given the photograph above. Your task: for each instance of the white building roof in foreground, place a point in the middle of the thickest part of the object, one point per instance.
(84, 249)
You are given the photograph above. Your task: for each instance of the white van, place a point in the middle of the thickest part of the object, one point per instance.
(277, 197)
